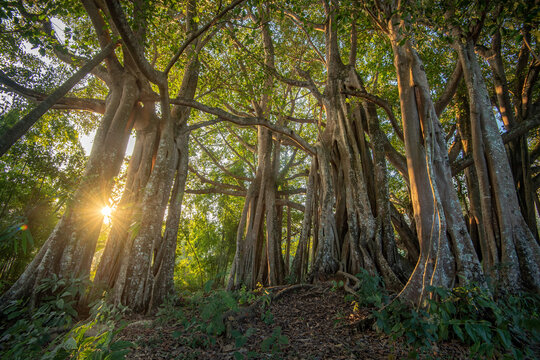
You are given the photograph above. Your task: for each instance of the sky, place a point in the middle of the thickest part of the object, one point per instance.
(88, 140)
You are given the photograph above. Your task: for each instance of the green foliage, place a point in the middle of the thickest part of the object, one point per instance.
(26, 332)
(94, 339)
(207, 320)
(168, 312)
(206, 240)
(36, 333)
(207, 314)
(502, 328)
(17, 237)
(246, 296)
(77, 344)
(371, 291)
(274, 342)
(37, 177)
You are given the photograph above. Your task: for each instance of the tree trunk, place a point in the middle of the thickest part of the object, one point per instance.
(70, 248)
(513, 246)
(128, 210)
(446, 250)
(164, 261)
(355, 228)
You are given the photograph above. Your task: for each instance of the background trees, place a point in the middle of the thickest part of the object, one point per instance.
(292, 110)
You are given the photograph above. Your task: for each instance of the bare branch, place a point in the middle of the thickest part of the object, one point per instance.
(292, 191)
(291, 204)
(216, 162)
(65, 103)
(237, 154)
(212, 182)
(215, 191)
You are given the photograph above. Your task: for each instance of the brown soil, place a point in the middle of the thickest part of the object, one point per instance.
(318, 322)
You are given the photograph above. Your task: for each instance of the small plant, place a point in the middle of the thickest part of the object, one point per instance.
(274, 342)
(168, 312)
(245, 296)
(267, 317)
(37, 333)
(371, 291)
(76, 344)
(336, 285)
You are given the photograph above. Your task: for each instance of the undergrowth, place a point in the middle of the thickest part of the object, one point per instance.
(503, 328)
(50, 331)
(207, 314)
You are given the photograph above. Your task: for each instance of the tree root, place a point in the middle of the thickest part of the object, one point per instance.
(348, 277)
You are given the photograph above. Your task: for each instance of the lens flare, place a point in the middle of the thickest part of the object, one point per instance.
(106, 211)
(24, 227)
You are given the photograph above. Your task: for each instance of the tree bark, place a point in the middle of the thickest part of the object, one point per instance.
(70, 248)
(513, 245)
(446, 250)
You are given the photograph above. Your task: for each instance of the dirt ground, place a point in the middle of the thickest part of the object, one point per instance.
(317, 321)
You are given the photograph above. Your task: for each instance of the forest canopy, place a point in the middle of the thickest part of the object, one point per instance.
(271, 143)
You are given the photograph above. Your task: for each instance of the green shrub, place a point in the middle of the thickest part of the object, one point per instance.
(502, 328)
(27, 332)
(36, 334)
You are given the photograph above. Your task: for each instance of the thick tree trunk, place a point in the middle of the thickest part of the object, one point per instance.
(258, 255)
(517, 149)
(513, 244)
(301, 257)
(116, 251)
(446, 250)
(353, 216)
(70, 248)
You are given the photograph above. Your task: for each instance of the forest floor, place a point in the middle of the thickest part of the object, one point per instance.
(317, 321)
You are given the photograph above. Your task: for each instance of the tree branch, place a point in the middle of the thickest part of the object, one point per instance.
(215, 191)
(215, 183)
(10, 136)
(218, 164)
(517, 131)
(247, 121)
(132, 45)
(199, 33)
(450, 89)
(66, 103)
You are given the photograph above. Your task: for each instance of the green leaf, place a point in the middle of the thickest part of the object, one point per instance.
(60, 303)
(505, 338)
(121, 345)
(267, 343)
(70, 344)
(458, 331)
(208, 286)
